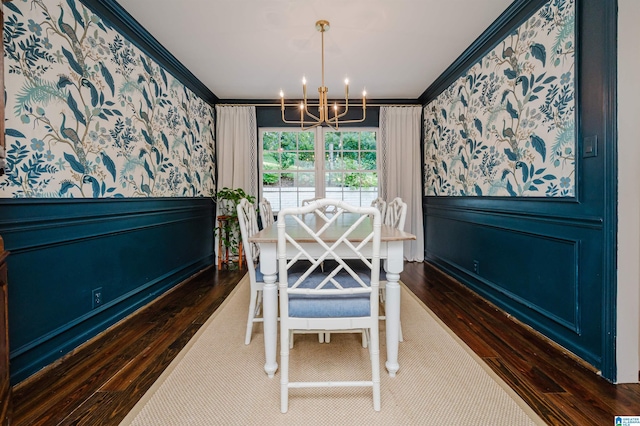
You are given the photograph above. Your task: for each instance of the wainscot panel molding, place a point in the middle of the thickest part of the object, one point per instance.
(548, 261)
(538, 270)
(63, 251)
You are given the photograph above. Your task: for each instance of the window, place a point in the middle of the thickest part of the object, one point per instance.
(343, 165)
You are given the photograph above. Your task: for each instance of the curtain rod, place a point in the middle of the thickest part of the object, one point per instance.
(297, 105)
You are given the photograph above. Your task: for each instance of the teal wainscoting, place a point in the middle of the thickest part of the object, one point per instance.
(132, 250)
(544, 269)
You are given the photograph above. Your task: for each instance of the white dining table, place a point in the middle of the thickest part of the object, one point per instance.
(391, 252)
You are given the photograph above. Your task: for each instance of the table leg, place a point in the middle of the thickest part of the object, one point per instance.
(393, 266)
(268, 267)
(392, 313)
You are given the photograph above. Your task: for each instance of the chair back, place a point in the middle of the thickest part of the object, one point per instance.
(341, 296)
(305, 288)
(381, 205)
(396, 213)
(327, 209)
(266, 214)
(309, 201)
(248, 221)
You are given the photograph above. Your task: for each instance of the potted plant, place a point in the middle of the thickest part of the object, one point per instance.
(228, 227)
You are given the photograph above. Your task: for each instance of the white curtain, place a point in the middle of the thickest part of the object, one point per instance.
(236, 139)
(401, 169)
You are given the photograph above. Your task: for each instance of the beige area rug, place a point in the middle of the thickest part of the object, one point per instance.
(218, 380)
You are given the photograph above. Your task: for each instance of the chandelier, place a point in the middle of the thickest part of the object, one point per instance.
(307, 119)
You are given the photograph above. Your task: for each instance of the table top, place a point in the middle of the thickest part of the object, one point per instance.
(335, 231)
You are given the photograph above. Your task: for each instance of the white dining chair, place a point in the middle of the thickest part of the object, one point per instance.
(266, 214)
(381, 205)
(396, 213)
(339, 298)
(248, 226)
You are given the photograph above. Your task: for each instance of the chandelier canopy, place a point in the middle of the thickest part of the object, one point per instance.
(308, 120)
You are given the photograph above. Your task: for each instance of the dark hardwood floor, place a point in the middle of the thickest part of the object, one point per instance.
(101, 381)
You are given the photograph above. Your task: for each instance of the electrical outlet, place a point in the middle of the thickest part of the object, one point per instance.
(476, 266)
(96, 297)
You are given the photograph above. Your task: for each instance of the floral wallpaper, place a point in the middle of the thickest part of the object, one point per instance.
(88, 114)
(507, 126)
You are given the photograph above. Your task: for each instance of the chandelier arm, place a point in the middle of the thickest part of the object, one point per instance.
(342, 114)
(284, 120)
(311, 115)
(311, 127)
(356, 120)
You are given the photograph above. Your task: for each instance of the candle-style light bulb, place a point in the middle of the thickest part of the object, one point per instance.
(281, 94)
(346, 81)
(301, 115)
(304, 81)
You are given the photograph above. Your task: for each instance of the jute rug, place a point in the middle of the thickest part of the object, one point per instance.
(218, 380)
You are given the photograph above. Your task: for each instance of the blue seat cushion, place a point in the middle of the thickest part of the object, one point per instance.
(329, 306)
(303, 265)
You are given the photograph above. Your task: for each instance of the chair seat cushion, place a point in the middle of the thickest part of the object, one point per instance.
(260, 276)
(321, 306)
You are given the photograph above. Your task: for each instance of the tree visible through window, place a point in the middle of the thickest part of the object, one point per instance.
(342, 166)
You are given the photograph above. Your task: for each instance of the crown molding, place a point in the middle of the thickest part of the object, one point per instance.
(117, 17)
(514, 15)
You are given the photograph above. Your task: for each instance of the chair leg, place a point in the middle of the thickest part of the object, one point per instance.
(252, 314)
(284, 369)
(374, 350)
(259, 303)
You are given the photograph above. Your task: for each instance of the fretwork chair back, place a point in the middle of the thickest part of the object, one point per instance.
(327, 209)
(266, 214)
(339, 298)
(381, 205)
(248, 221)
(396, 213)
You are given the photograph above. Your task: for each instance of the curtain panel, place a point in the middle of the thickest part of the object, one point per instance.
(237, 148)
(401, 168)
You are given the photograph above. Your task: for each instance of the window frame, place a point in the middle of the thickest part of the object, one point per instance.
(319, 152)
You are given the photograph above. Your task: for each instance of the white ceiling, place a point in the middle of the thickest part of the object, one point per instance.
(250, 49)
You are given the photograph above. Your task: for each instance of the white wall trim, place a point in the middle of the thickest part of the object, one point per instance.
(628, 296)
